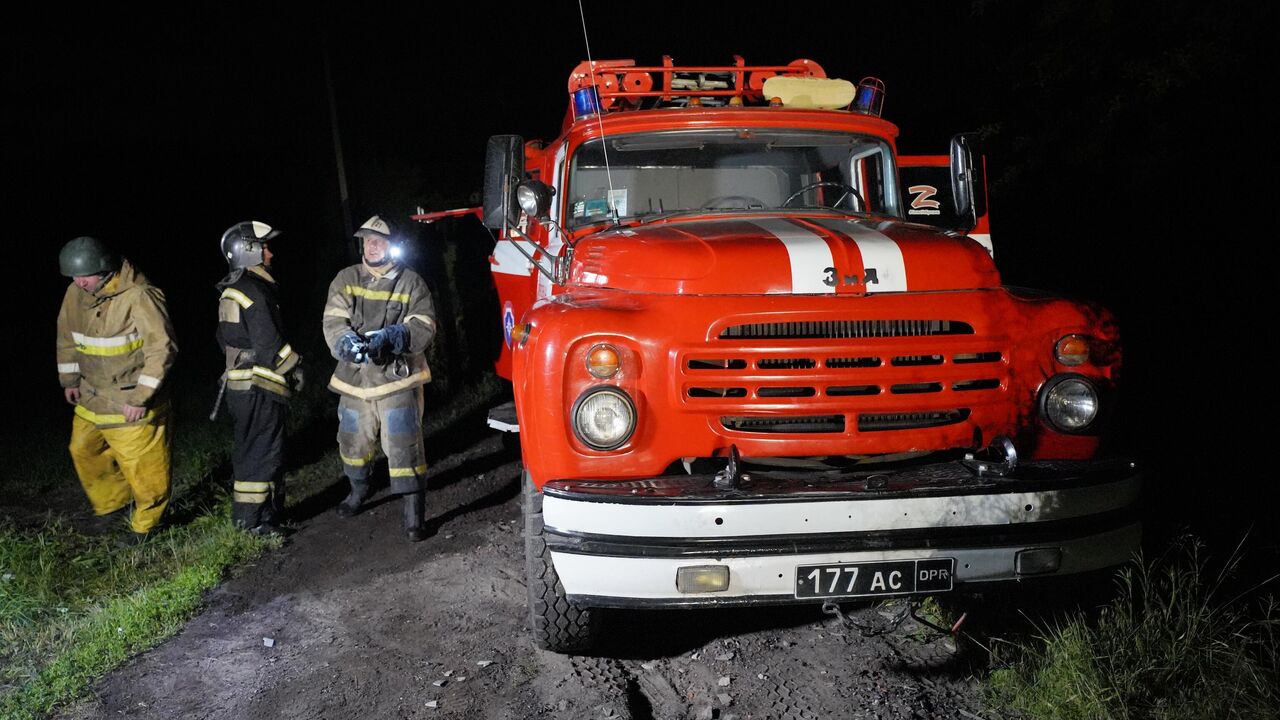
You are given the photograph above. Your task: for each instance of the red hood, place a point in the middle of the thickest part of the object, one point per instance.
(781, 255)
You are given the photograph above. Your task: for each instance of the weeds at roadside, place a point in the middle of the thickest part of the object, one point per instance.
(73, 607)
(1176, 642)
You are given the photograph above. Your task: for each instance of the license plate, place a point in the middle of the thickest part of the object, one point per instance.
(869, 579)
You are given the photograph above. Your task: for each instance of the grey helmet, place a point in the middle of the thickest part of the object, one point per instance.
(376, 227)
(87, 256)
(242, 243)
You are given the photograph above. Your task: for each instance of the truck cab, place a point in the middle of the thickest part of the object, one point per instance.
(748, 369)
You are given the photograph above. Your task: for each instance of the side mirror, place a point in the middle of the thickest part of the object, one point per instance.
(503, 169)
(968, 178)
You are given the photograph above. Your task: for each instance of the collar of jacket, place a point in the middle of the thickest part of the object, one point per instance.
(123, 279)
(230, 279)
(386, 271)
(261, 271)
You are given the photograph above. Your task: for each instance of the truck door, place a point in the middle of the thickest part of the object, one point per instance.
(928, 197)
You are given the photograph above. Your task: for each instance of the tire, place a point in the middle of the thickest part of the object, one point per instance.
(557, 624)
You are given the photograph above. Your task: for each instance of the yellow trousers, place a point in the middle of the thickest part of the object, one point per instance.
(120, 464)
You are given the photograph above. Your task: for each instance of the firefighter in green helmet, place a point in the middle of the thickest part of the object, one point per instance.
(115, 347)
(378, 321)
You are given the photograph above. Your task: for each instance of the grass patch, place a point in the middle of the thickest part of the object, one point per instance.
(75, 605)
(72, 608)
(1175, 643)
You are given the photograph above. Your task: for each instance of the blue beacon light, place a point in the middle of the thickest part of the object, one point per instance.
(586, 102)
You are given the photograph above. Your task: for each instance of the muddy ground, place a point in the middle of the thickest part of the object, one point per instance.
(348, 620)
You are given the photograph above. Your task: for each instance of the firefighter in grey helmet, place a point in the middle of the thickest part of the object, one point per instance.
(262, 371)
(378, 321)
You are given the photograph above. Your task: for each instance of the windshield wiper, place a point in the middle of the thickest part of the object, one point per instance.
(650, 217)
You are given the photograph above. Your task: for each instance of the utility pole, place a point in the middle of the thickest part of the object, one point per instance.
(343, 195)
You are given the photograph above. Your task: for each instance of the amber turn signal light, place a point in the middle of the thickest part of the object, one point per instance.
(602, 361)
(1072, 350)
(520, 333)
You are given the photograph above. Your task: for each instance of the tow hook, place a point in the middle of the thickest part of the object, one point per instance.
(888, 624)
(998, 460)
(727, 479)
(891, 622)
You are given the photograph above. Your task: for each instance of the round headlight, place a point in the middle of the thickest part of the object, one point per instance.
(1071, 404)
(604, 418)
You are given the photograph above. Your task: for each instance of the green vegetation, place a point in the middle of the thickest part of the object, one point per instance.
(73, 605)
(72, 608)
(1174, 643)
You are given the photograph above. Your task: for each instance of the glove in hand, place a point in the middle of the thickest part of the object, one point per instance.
(388, 342)
(350, 348)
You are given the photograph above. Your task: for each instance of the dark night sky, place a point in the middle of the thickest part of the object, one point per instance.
(1119, 144)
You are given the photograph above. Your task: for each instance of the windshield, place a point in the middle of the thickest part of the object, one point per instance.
(727, 170)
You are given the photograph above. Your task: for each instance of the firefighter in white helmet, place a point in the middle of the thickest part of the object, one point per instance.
(114, 348)
(378, 321)
(262, 369)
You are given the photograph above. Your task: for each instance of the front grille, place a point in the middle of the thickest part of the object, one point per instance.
(914, 388)
(851, 390)
(987, 384)
(846, 329)
(777, 392)
(916, 360)
(713, 392)
(786, 364)
(798, 424)
(853, 362)
(875, 422)
(843, 378)
(717, 364)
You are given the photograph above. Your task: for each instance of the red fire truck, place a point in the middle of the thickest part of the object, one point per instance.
(758, 357)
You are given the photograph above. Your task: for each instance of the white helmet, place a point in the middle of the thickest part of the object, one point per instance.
(375, 227)
(243, 242)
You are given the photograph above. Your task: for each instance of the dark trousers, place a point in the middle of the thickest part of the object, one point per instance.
(257, 460)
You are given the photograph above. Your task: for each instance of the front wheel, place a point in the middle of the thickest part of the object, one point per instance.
(557, 624)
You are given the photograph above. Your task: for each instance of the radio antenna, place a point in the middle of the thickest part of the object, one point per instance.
(604, 143)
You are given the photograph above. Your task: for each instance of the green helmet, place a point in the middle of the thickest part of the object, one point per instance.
(87, 256)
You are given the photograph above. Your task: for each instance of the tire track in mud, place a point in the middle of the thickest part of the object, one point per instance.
(366, 625)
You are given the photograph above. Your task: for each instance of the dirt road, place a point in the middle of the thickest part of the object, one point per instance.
(348, 620)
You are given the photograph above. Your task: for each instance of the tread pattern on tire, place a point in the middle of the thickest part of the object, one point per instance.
(557, 624)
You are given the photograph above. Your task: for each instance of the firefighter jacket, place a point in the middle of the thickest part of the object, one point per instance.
(362, 301)
(117, 346)
(250, 332)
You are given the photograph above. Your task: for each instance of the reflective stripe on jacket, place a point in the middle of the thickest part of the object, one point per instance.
(116, 345)
(362, 302)
(251, 333)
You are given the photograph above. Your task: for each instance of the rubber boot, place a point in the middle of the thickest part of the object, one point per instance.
(413, 511)
(273, 510)
(113, 520)
(130, 539)
(351, 505)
